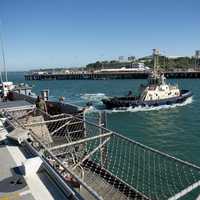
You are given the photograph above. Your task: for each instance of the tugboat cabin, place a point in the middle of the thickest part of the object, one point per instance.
(158, 89)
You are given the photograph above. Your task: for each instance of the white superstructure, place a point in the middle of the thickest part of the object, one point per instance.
(158, 89)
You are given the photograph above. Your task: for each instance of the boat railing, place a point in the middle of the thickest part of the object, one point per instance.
(104, 164)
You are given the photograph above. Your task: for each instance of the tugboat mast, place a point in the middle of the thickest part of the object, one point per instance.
(156, 53)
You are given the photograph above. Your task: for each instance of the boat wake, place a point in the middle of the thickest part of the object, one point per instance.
(94, 98)
(148, 108)
(141, 109)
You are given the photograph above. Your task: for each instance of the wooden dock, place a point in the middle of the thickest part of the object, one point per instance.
(110, 75)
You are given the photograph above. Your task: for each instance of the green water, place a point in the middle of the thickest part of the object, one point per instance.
(174, 130)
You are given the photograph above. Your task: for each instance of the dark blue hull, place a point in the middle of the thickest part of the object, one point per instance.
(121, 102)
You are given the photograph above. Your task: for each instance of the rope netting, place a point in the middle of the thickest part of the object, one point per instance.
(110, 164)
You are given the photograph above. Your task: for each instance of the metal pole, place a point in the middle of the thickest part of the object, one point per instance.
(91, 153)
(103, 150)
(3, 57)
(2, 51)
(79, 141)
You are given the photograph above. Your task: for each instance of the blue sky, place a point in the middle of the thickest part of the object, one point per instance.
(41, 33)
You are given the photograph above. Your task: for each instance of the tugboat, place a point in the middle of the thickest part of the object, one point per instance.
(157, 92)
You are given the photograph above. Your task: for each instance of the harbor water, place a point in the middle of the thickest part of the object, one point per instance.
(172, 129)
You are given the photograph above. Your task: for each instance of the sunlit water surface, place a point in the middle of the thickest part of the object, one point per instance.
(172, 129)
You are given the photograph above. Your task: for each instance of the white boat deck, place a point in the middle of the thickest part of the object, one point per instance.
(14, 105)
(37, 186)
(14, 183)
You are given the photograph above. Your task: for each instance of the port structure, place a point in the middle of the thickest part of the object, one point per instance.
(101, 164)
(197, 59)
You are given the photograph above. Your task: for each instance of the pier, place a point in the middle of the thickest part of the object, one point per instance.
(110, 75)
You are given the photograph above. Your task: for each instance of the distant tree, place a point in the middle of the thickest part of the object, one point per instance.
(165, 63)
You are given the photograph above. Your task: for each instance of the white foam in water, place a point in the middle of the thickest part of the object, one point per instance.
(93, 97)
(142, 109)
(96, 98)
(148, 108)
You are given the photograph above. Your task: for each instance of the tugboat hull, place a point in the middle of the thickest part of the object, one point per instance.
(123, 102)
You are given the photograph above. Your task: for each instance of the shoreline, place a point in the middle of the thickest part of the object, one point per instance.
(111, 75)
